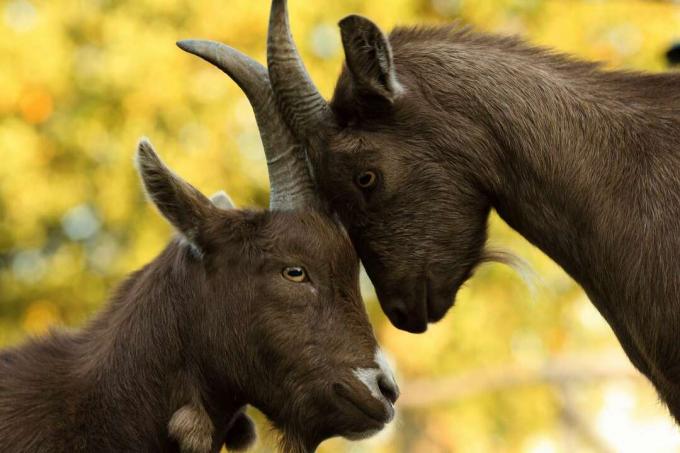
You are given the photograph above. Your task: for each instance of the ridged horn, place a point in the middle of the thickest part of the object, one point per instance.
(303, 107)
(291, 185)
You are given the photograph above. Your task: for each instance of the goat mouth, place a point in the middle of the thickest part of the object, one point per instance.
(438, 302)
(377, 414)
(440, 292)
(413, 321)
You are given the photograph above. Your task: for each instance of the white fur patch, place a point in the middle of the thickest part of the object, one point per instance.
(192, 428)
(384, 365)
(369, 376)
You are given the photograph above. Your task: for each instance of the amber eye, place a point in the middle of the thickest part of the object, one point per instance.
(295, 274)
(367, 179)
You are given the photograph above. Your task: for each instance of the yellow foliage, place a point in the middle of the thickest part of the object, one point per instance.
(39, 317)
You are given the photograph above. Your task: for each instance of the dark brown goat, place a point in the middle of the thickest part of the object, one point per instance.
(431, 128)
(245, 307)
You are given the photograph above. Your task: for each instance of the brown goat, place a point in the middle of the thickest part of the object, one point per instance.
(431, 128)
(244, 307)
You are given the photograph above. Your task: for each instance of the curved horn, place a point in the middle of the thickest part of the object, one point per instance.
(290, 182)
(305, 110)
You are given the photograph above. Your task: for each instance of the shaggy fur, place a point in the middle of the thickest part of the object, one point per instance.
(207, 327)
(583, 162)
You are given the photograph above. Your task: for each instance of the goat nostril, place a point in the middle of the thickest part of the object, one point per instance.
(388, 388)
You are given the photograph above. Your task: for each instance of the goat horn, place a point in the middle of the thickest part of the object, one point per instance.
(303, 107)
(290, 181)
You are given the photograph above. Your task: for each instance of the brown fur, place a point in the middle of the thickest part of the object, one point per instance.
(583, 162)
(207, 327)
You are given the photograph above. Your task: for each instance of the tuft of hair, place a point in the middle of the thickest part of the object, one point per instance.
(241, 434)
(155, 175)
(146, 157)
(192, 428)
(289, 443)
(516, 263)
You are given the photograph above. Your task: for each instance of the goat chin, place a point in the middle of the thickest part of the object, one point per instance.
(516, 263)
(362, 435)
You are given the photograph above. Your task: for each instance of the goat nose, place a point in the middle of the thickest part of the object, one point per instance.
(388, 388)
(398, 313)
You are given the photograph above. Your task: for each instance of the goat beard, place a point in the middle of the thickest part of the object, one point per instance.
(517, 264)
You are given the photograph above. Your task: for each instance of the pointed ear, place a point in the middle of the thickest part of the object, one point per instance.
(368, 56)
(222, 200)
(187, 209)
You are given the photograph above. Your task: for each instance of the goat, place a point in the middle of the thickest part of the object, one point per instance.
(432, 127)
(242, 307)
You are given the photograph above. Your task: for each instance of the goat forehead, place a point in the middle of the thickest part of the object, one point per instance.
(350, 140)
(312, 235)
(381, 150)
(367, 140)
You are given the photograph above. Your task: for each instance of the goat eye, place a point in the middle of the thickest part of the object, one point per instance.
(295, 274)
(367, 179)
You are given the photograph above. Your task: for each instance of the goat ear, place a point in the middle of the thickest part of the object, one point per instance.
(222, 200)
(368, 56)
(181, 204)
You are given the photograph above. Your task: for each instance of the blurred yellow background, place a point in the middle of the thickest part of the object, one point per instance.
(514, 367)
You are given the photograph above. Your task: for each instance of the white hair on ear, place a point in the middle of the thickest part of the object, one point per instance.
(222, 200)
(519, 265)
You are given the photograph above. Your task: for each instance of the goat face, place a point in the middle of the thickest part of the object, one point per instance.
(418, 223)
(318, 367)
(418, 227)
